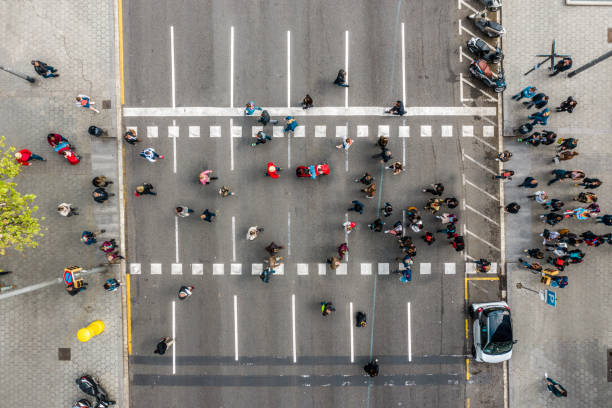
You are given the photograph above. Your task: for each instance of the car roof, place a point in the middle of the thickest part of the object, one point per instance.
(500, 325)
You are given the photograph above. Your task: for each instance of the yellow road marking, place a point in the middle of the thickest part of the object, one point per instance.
(467, 369)
(129, 313)
(121, 51)
(467, 403)
(466, 328)
(483, 278)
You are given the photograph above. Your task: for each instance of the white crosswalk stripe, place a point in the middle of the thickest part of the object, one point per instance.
(156, 269)
(176, 269)
(194, 131)
(235, 269)
(383, 268)
(173, 132)
(135, 269)
(404, 131)
(280, 269)
(425, 268)
(300, 131)
(342, 269)
(236, 131)
(277, 131)
(425, 131)
(197, 269)
(302, 269)
(255, 130)
(320, 131)
(341, 131)
(256, 269)
(322, 269)
(152, 132)
(383, 130)
(449, 268)
(447, 131)
(366, 268)
(134, 128)
(362, 131)
(218, 269)
(467, 131)
(215, 131)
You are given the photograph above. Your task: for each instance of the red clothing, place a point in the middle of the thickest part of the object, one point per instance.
(25, 156)
(272, 170)
(71, 157)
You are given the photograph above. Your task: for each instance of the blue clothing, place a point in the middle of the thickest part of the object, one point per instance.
(539, 117)
(291, 124)
(251, 108)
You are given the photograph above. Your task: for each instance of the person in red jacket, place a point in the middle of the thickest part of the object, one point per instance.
(272, 170)
(24, 156)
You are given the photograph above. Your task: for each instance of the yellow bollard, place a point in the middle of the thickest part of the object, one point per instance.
(94, 328)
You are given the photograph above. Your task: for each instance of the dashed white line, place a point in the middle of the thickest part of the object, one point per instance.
(409, 334)
(232, 67)
(233, 238)
(235, 328)
(346, 62)
(174, 336)
(293, 327)
(176, 240)
(403, 66)
(288, 68)
(172, 66)
(351, 326)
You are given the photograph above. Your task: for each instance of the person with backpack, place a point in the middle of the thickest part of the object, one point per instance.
(327, 308)
(185, 291)
(361, 319)
(372, 368)
(341, 79)
(164, 344)
(539, 100)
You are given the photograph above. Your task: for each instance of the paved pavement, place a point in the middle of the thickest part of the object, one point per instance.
(35, 326)
(569, 342)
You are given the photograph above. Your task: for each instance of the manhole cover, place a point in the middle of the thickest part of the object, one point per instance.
(106, 104)
(63, 354)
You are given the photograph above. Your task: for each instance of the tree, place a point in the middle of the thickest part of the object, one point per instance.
(18, 228)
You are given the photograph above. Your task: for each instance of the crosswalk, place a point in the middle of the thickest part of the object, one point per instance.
(302, 269)
(322, 131)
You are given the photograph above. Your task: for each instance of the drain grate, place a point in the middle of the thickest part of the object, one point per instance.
(106, 104)
(63, 354)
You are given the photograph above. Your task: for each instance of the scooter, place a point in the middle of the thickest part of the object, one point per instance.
(82, 403)
(481, 50)
(90, 386)
(492, 5)
(479, 69)
(484, 24)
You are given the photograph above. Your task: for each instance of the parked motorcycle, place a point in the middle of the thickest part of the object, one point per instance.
(482, 51)
(492, 5)
(480, 69)
(486, 25)
(90, 386)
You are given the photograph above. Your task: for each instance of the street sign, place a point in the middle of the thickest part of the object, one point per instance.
(68, 277)
(551, 298)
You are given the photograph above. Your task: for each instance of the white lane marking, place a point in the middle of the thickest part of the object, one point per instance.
(346, 66)
(482, 240)
(468, 6)
(280, 269)
(449, 268)
(206, 111)
(461, 27)
(288, 233)
(197, 269)
(233, 238)
(231, 66)
(135, 269)
(342, 270)
(425, 268)
(156, 269)
(470, 268)
(383, 268)
(289, 150)
(235, 269)
(490, 146)
(425, 131)
(255, 130)
(176, 240)
(466, 181)
(409, 335)
(461, 98)
(383, 130)
(467, 131)
(346, 152)
(194, 131)
(235, 328)
(152, 131)
(489, 96)
(479, 165)
(172, 66)
(362, 131)
(176, 269)
(366, 268)
(300, 131)
(320, 131)
(293, 327)
(447, 131)
(215, 131)
(288, 68)
(256, 269)
(475, 211)
(322, 269)
(173, 132)
(277, 131)
(346, 234)
(174, 336)
(351, 326)
(231, 145)
(218, 269)
(341, 131)
(493, 270)
(404, 153)
(403, 66)
(404, 131)
(302, 269)
(403, 222)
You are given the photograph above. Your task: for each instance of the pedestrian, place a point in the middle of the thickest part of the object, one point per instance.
(341, 79)
(533, 267)
(458, 243)
(100, 195)
(366, 179)
(482, 265)
(307, 102)
(385, 155)
(548, 137)
(264, 118)
(564, 155)
(504, 156)
(253, 232)
(24, 156)
(44, 70)
(512, 208)
(554, 204)
(250, 108)
(554, 387)
(397, 229)
(552, 218)
(72, 157)
(396, 167)
(505, 175)
(164, 344)
(559, 174)
(108, 246)
(327, 308)
(185, 291)
(357, 206)
(334, 263)
(524, 128)
(101, 181)
(450, 230)
(540, 118)
(144, 188)
(67, 210)
(342, 250)
(151, 155)
(349, 226)
(534, 139)
(290, 125)
(397, 109)
(447, 218)
(370, 190)
(428, 238)
(534, 253)
(586, 198)
(387, 209)
(261, 138)
(89, 238)
(434, 205)
(266, 273)
(85, 102)
(226, 191)
(372, 368)
(130, 137)
(346, 144)
(77, 287)
(111, 285)
(539, 197)
(567, 144)
(539, 100)
(361, 319)
(272, 248)
(451, 202)
(529, 182)
(183, 211)
(377, 225)
(435, 189)
(207, 215)
(605, 219)
(527, 92)
(588, 183)
(205, 177)
(113, 258)
(382, 141)
(563, 65)
(567, 105)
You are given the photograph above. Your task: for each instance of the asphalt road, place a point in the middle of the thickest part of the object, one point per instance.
(240, 342)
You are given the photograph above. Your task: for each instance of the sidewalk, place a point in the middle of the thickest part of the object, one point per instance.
(77, 39)
(568, 342)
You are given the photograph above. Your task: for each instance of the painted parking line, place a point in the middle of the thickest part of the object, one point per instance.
(176, 269)
(197, 269)
(156, 269)
(135, 269)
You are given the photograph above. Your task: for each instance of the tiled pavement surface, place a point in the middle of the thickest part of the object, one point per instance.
(569, 342)
(76, 38)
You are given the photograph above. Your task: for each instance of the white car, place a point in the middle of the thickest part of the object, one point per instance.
(492, 332)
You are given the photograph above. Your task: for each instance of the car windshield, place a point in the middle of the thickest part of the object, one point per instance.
(500, 331)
